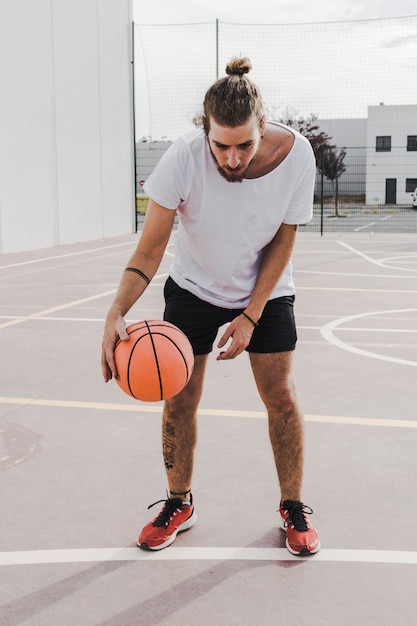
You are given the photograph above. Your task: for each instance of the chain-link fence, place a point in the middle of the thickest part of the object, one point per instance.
(353, 81)
(342, 204)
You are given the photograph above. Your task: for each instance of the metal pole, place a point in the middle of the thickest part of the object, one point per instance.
(217, 48)
(134, 124)
(322, 191)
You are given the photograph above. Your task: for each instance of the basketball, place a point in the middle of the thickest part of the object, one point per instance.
(155, 363)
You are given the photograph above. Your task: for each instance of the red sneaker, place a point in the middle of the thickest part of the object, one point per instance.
(173, 519)
(302, 538)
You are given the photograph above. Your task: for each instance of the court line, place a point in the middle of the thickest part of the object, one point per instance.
(101, 320)
(379, 263)
(363, 227)
(67, 305)
(396, 262)
(84, 555)
(327, 333)
(397, 257)
(356, 274)
(355, 289)
(58, 308)
(66, 255)
(355, 251)
(96, 320)
(157, 407)
(299, 251)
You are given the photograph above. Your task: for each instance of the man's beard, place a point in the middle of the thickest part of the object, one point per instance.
(231, 178)
(229, 175)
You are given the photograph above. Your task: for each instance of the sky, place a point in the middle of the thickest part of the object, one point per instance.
(268, 11)
(384, 71)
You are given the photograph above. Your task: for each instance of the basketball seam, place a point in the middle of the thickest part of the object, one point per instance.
(128, 366)
(156, 361)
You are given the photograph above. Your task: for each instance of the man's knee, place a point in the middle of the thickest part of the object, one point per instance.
(281, 398)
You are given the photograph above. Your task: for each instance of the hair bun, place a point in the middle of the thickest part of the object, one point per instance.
(238, 66)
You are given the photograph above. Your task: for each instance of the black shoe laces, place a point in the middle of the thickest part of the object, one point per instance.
(171, 505)
(296, 515)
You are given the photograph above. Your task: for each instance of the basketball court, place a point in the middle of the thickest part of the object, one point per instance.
(80, 461)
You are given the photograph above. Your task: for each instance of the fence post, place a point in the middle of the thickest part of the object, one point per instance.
(135, 164)
(322, 191)
(217, 48)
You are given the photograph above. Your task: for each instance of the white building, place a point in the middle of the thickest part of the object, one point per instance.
(391, 164)
(381, 154)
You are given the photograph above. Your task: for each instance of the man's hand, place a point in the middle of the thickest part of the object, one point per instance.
(240, 332)
(115, 328)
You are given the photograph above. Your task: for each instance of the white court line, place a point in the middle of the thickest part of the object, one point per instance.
(380, 263)
(80, 555)
(156, 407)
(363, 227)
(66, 255)
(355, 274)
(58, 308)
(355, 289)
(67, 305)
(327, 333)
(101, 320)
(396, 260)
(361, 254)
(359, 329)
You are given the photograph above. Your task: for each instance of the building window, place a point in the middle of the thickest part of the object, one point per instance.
(412, 143)
(383, 143)
(410, 184)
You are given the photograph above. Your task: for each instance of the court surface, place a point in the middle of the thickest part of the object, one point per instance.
(80, 461)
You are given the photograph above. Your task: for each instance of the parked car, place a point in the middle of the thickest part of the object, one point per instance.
(414, 198)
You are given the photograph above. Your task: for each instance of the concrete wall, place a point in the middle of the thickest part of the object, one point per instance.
(66, 131)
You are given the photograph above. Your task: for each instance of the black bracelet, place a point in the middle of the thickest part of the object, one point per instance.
(181, 493)
(133, 269)
(250, 319)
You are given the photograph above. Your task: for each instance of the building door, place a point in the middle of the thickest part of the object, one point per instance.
(390, 191)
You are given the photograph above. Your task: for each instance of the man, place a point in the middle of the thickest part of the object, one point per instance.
(240, 186)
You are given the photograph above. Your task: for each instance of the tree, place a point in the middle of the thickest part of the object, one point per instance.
(307, 126)
(329, 161)
(331, 165)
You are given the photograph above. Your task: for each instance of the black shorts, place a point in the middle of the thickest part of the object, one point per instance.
(200, 321)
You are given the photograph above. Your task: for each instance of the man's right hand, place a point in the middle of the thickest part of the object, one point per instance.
(114, 329)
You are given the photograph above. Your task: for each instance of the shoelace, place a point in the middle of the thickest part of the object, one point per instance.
(170, 507)
(296, 516)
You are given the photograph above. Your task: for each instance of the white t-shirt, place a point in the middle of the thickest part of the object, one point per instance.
(224, 226)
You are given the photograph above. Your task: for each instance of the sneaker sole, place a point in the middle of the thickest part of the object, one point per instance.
(184, 526)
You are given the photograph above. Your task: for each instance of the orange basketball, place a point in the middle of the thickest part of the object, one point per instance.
(155, 363)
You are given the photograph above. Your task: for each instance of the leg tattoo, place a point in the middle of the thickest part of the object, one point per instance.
(168, 446)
